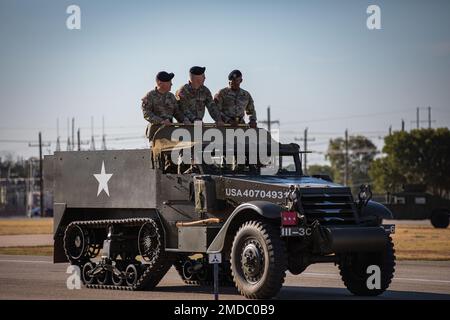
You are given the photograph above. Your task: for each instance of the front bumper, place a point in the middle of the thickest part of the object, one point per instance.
(341, 239)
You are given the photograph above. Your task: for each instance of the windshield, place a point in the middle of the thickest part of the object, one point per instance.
(279, 165)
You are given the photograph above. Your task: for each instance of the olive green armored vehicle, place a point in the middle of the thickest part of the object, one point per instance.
(125, 217)
(415, 203)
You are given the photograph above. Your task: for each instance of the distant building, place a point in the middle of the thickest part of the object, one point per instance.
(19, 190)
(13, 199)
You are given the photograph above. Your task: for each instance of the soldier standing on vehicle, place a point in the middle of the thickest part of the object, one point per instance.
(160, 106)
(194, 96)
(234, 102)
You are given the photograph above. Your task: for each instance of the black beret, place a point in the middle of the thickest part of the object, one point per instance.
(234, 74)
(164, 76)
(197, 70)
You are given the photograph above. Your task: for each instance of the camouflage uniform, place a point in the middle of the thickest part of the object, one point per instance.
(232, 105)
(193, 101)
(157, 107)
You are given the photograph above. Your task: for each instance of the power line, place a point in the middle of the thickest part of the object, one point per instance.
(347, 117)
(126, 138)
(443, 110)
(16, 141)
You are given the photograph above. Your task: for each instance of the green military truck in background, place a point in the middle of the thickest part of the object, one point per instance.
(415, 203)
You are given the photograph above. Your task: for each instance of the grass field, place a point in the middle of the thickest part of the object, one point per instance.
(28, 251)
(412, 242)
(26, 226)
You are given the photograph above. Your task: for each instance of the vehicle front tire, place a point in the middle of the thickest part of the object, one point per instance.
(258, 260)
(354, 270)
(440, 219)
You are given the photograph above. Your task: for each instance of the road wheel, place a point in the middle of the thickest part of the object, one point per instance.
(116, 278)
(86, 275)
(258, 260)
(355, 267)
(440, 219)
(131, 275)
(104, 277)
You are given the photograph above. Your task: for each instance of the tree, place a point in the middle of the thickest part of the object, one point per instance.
(361, 153)
(418, 157)
(318, 169)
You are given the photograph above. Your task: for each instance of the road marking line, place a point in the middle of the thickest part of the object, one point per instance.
(320, 274)
(421, 280)
(26, 261)
(304, 273)
(395, 278)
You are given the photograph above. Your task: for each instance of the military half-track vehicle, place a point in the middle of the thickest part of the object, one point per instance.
(125, 217)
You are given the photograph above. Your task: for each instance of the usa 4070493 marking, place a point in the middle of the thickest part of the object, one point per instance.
(251, 193)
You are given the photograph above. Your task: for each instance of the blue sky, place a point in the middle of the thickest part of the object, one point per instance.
(314, 62)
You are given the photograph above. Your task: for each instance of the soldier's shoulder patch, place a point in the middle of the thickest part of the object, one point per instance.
(177, 93)
(182, 91)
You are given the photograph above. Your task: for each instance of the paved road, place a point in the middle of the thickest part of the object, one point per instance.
(26, 240)
(32, 277)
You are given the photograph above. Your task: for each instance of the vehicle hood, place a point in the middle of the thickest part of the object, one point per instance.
(303, 182)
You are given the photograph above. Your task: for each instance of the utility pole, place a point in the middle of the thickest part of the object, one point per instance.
(41, 180)
(269, 121)
(403, 125)
(103, 134)
(58, 144)
(41, 184)
(78, 139)
(429, 121)
(346, 158)
(69, 144)
(73, 133)
(305, 140)
(92, 135)
(429, 118)
(417, 118)
(29, 186)
(390, 130)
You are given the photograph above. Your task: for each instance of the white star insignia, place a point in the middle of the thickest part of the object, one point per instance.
(103, 179)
